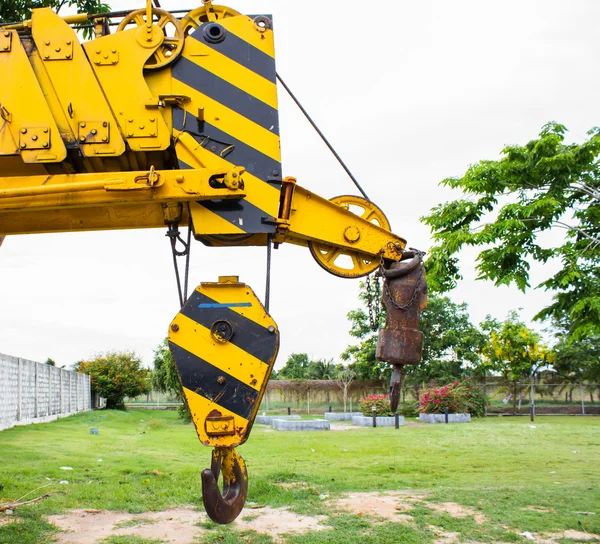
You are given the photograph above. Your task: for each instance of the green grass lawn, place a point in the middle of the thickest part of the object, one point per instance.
(147, 461)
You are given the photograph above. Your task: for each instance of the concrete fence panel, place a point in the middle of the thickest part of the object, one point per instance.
(32, 392)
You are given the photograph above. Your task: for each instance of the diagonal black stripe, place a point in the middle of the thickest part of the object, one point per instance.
(247, 334)
(240, 213)
(225, 93)
(203, 378)
(215, 140)
(241, 52)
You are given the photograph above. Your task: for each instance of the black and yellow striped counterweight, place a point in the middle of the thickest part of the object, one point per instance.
(224, 345)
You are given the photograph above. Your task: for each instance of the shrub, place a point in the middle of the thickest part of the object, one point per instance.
(184, 413)
(381, 402)
(116, 375)
(409, 409)
(457, 397)
(477, 402)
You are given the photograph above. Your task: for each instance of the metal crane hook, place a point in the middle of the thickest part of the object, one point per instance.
(224, 508)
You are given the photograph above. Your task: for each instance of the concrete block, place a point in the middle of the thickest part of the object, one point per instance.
(440, 418)
(268, 420)
(341, 416)
(301, 425)
(367, 421)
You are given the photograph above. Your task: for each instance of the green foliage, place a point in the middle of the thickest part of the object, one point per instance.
(451, 343)
(295, 367)
(17, 10)
(116, 375)
(453, 397)
(546, 185)
(381, 403)
(362, 355)
(165, 378)
(12, 11)
(457, 397)
(514, 351)
(50, 362)
(409, 409)
(300, 367)
(184, 413)
(576, 361)
(476, 402)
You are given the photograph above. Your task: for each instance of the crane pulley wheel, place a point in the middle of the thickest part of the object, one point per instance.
(343, 262)
(171, 47)
(206, 14)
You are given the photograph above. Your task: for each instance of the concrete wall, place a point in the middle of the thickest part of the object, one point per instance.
(33, 392)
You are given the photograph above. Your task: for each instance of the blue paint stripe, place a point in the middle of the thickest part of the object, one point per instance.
(225, 305)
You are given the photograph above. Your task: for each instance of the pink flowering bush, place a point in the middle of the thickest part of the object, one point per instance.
(454, 396)
(381, 402)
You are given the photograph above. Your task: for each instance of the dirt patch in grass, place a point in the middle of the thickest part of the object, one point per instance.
(293, 485)
(388, 505)
(278, 521)
(575, 535)
(174, 526)
(553, 538)
(392, 505)
(456, 510)
(539, 509)
(443, 537)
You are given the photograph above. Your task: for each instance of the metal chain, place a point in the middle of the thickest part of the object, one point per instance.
(386, 285)
(373, 302)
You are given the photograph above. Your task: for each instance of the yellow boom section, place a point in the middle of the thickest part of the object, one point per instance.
(165, 121)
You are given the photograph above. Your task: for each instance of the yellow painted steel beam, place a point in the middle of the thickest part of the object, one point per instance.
(65, 191)
(78, 18)
(140, 215)
(315, 219)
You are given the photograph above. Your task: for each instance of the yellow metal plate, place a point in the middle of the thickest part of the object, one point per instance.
(25, 105)
(82, 100)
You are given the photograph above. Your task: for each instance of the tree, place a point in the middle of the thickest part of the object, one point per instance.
(576, 362)
(17, 10)
(545, 185)
(451, 343)
(320, 370)
(165, 378)
(514, 351)
(295, 367)
(362, 355)
(116, 375)
(50, 362)
(344, 378)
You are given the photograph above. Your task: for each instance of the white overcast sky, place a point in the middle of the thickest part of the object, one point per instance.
(408, 92)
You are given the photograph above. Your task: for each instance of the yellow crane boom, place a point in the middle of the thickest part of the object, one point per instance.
(171, 122)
